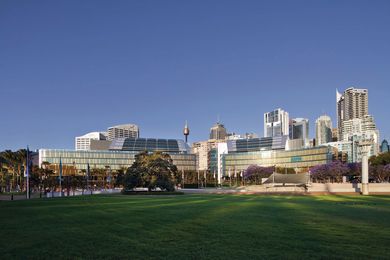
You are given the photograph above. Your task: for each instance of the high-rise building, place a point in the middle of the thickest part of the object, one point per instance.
(385, 146)
(335, 133)
(276, 123)
(323, 130)
(123, 131)
(299, 129)
(201, 150)
(359, 129)
(359, 126)
(351, 104)
(83, 143)
(218, 132)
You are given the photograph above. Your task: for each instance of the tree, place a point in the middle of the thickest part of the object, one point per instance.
(380, 159)
(14, 162)
(254, 173)
(152, 171)
(119, 178)
(380, 167)
(333, 171)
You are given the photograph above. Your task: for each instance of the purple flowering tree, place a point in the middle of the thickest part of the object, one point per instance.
(330, 172)
(254, 173)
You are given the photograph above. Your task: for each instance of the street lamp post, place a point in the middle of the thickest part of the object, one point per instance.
(365, 147)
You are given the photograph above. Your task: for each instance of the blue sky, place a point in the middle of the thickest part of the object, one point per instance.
(70, 67)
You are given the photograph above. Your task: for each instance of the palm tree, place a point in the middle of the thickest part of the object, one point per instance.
(10, 164)
(21, 156)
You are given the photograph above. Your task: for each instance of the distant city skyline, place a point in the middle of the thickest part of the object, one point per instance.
(65, 71)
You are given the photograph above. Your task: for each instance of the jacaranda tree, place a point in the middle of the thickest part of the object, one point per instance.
(330, 172)
(254, 173)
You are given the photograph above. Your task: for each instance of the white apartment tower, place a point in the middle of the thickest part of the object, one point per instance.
(83, 143)
(351, 104)
(123, 131)
(201, 150)
(362, 129)
(276, 123)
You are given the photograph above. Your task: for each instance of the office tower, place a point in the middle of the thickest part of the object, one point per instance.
(123, 131)
(351, 104)
(323, 130)
(276, 123)
(299, 129)
(218, 132)
(83, 143)
(385, 146)
(335, 133)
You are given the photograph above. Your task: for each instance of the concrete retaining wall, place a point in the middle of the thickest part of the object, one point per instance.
(348, 187)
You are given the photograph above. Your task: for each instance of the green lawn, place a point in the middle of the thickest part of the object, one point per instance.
(197, 227)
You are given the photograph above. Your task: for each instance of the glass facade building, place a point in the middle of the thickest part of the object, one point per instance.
(78, 160)
(385, 146)
(301, 160)
(213, 160)
(257, 144)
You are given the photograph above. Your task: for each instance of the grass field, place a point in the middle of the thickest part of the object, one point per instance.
(196, 227)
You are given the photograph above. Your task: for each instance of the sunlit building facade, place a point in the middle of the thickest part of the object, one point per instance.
(300, 160)
(123, 131)
(276, 123)
(76, 161)
(121, 154)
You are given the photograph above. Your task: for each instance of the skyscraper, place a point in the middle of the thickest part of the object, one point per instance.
(299, 129)
(276, 123)
(123, 131)
(385, 146)
(218, 132)
(323, 130)
(351, 104)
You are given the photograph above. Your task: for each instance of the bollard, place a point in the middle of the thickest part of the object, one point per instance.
(12, 196)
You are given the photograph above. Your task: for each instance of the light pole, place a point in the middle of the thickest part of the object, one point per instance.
(182, 177)
(205, 178)
(198, 179)
(365, 147)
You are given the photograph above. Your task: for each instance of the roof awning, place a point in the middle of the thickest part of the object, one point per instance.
(299, 178)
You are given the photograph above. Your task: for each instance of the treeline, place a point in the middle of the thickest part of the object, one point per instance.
(379, 170)
(46, 176)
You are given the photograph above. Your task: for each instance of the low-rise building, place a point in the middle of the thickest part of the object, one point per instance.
(120, 154)
(300, 160)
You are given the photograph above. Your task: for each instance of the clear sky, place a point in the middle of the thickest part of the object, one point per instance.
(71, 67)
